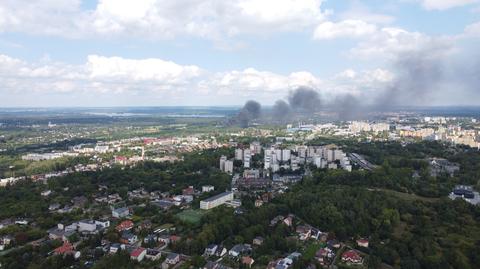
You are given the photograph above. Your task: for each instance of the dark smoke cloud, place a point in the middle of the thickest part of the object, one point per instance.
(281, 110)
(422, 77)
(304, 99)
(250, 111)
(418, 77)
(348, 107)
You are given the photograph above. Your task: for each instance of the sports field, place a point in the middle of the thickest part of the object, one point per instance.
(190, 216)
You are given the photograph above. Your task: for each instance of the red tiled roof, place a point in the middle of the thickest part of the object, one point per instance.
(351, 254)
(137, 252)
(67, 247)
(174, 238)
(124, 225)
(247, 260)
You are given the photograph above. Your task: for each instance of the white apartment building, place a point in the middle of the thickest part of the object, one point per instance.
(239, 154)
(247, 156)
(216, 200)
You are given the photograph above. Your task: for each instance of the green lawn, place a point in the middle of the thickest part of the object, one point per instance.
(190, 216)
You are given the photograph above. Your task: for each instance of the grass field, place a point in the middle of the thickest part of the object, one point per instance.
(407, 196)
(190, 216)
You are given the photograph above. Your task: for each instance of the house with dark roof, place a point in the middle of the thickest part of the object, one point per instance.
(128, 238)
(153, 254)
(239, 249)
(210, 250)
(173, 258)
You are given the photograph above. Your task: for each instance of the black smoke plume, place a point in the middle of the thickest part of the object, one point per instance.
(348, 107)
(281, 110)
(250, 111)
(304, 99)
(418, 76)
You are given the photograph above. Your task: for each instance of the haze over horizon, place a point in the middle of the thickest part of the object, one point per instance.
(107, 53)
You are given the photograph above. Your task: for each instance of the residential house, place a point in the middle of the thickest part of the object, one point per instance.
(153, 254)
(6, 240)
(208, 188)
(315, 234)
(46, 193)
(103, 223)
(277, 219)
(362, 242)
(87, 226)
(128, 238)
(120, 212)
(333, 244)
(79, 201)
(114, 248)
(210, 250)
(66, 209)
(248, 261)
(164, 204)
(66, 248)
(221, 251)
(188, 191)
(21, 222)
(138, 254)
(173, 258)
(164, 238)
(324, 255)
(288, 221)
(352, 257)
(59, 234)
(150, 239)
(145, 225)
(323, 237)
(174, 239)
(239, 249)
(124, 226)
(258, 241)
(304, 232)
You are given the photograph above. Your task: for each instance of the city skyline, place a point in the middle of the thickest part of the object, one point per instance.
(223, 53)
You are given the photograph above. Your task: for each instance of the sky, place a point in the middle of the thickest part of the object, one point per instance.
(90, 53)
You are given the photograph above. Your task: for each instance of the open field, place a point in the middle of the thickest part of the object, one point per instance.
(190, 216)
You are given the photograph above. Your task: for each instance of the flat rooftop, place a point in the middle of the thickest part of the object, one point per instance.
(215, 197)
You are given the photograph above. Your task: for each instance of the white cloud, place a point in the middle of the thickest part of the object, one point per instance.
(159, 19)
(47, 17)
(346, 28)
(445, 4)
(139, 70)
(472, 29)
(208, 18)
(388, 42)
(258, 84)
(155, 78)
(360, 11)
(163, 82)
(366, 83)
